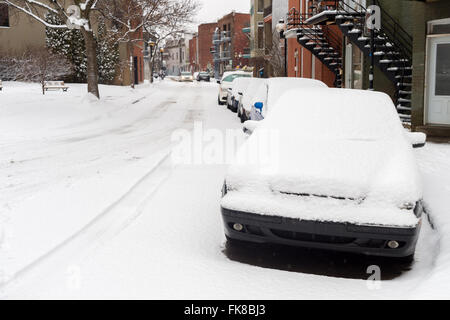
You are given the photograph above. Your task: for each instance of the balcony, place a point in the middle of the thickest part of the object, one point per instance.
(323, 12)
(224, 36)
(247, 53)
(222, 56)
(246, 28)
(267, 11)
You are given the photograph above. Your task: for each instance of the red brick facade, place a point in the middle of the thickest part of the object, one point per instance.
(235, 22)
(193, 60)
(205, 40)
(300, 60)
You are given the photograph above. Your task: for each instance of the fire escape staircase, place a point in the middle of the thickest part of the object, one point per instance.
(392, 50)
(321, 41)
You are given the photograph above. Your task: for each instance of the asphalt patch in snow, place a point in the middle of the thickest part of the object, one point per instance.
(312, 261)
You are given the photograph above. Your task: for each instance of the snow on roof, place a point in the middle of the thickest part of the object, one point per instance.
(240, 84)
(337, 143)
(277, 86)
(227, 73)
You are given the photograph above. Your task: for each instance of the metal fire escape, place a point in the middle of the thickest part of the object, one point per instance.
(391, 47)
(321, 41)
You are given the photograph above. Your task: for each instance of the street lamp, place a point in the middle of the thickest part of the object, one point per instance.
(281, 28)
(151, 45)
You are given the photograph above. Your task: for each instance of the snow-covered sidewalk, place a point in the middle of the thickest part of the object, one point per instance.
(66, 158)
(90, 187)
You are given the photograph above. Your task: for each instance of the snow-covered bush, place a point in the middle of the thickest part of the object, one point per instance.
(107, 54)
(70, 43)
(37, 65)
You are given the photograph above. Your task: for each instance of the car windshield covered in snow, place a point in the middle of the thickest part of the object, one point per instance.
(186, 74)
(337, 114)
(231, 77)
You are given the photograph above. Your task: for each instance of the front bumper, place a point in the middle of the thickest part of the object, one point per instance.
(368, 240)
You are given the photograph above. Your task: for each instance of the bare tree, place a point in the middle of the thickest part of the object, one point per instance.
(37, 65)
(78, 16)
(158, 19)
(275, 56)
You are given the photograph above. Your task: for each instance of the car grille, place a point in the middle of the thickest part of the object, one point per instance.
(300, 236)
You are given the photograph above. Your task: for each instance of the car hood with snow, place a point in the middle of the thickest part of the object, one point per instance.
(341, 156)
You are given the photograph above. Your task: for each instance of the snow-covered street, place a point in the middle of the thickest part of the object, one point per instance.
(91, 206)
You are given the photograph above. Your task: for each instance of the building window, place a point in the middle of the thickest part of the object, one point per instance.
(4, 15)
(260, 6)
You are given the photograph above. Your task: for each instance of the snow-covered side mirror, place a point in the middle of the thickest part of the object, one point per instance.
(250, 126)
(417, 139)
(259, 106)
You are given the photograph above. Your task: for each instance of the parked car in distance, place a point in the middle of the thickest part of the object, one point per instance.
(339, 174)
(226, 83)
(186, 77)
(203, 76)
(272, 89)
(237, 92)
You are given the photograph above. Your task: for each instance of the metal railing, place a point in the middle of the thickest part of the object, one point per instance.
(268, 10)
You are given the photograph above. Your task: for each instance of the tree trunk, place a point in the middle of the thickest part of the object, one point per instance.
(130, 54)
(92, 64)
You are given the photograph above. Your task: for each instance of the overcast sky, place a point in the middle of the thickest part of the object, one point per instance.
(214, 9)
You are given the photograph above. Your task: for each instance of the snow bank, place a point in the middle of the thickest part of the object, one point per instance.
(345, 144)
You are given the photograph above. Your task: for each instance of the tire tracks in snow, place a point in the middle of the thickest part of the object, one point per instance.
(104, 227)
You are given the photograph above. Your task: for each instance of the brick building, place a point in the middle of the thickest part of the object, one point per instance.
(205, 34)
(231, 42)
(193, 53)
(301, 61)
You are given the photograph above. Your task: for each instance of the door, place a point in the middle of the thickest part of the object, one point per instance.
(438, 111)
(136, 70)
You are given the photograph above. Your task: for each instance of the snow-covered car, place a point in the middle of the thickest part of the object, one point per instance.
(249, 97)
(227, 83)
(186, 77)
(339, 173)
(270, 91)
(239, 87)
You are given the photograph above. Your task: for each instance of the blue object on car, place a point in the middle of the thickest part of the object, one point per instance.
(259, 106)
